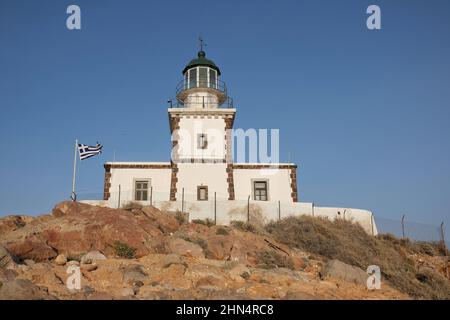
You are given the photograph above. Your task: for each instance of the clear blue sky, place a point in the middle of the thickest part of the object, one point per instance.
(364, 113)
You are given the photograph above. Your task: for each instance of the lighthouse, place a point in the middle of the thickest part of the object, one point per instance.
(201, 117)
(201, 177)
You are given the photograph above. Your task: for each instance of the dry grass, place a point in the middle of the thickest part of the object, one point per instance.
(349, 243)
(270, 259)
(207, 222)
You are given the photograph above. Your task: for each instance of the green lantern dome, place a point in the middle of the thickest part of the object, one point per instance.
(201, 61)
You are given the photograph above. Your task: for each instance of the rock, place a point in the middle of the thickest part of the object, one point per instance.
(29, 262)
(87, 290)
(7, 275)
(92, 256)
(61, 260)
(210, 283)
(338, 270)
(12, 223)
(31, 248)
(76, 228)
(20, 289)
(171, 259)
(149, 293)
(186, 248)
(239, 273)
(133, 274)
(6, 260)
(167, 224)
(219, 247)
(88, 267)
(127, 292)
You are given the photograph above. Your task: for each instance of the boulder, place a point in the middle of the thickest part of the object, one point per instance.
(20, 289)
(339, 270)
(12, 223)
(61, 260)
(186, 248)
(92, 256)
(6, 260)
(171, 259)
(29, 262)
(219, 247)
(88, 267)
(126, 292)
(210, 283)
(31, 248)
(134, 274)
(7, 275)
(76, 228)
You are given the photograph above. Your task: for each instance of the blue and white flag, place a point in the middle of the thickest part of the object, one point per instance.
(88, 151)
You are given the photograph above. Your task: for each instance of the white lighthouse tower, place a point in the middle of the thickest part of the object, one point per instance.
(200, 177)
(199, 118)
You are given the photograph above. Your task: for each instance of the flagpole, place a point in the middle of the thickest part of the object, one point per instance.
(74, 195)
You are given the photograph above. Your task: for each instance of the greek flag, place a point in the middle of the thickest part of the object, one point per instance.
(88, 151)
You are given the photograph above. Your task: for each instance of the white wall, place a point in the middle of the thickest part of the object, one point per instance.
(212, 175)
(279, 188)
(213, 128)
(159, 180)
(261, 212)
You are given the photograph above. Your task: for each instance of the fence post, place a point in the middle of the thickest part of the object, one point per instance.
(279, 210)
(215, 208)
(312, 211)
(151, 196)
(344, 213)
(403, 227)
(118, 201)
(248, 209)
(182, 201)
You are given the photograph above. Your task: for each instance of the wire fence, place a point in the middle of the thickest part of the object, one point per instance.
(401, 228)
(210, 205)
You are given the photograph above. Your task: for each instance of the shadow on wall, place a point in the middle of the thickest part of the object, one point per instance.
(253, 213)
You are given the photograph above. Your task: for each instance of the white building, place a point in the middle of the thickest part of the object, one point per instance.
(201, 177)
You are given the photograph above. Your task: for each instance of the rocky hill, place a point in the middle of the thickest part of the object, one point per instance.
(143, 253)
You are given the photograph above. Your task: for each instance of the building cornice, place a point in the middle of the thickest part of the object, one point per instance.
(137, 165)
(264, 166)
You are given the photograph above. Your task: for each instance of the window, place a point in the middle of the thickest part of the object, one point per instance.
(193, 78)
(202, 141)
(202, 193)
(212, 79)
(260, 190)
(141, 190)
(203, 77)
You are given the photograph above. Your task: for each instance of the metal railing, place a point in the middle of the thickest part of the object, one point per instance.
(201, 103)
(186, 84)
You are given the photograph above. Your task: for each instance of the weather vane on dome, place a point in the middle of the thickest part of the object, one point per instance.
(201, 43)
